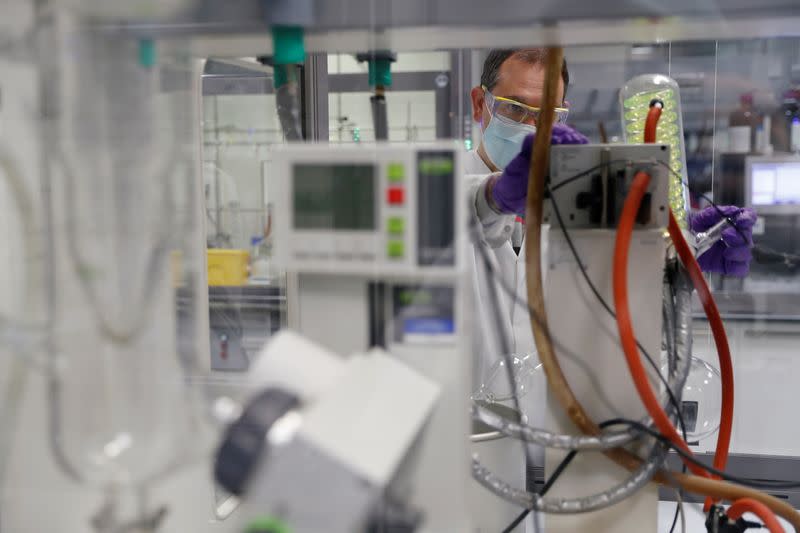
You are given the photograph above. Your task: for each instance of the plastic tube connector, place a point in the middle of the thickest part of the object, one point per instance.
(288, 45)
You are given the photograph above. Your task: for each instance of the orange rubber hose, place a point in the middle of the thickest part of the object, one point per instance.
(718, 489)
(627, 220)
(712, 313)
(744, 505)
(651, 124)
(720, 340)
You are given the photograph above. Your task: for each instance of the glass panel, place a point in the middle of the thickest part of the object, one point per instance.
(412, 116)
(412, 106)
(240, 123)
(246, 293)
(123, 261)
(739, 105)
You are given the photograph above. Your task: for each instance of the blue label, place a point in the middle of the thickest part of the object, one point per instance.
(429, 326)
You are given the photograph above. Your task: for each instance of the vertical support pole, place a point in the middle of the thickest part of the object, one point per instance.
(315, 97)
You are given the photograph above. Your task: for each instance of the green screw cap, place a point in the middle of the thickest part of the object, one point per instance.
(380, 72)
(287, 45)
(147, 53)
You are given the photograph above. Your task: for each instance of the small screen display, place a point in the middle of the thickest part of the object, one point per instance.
(436, 208)
(331, 196)
(775, 183)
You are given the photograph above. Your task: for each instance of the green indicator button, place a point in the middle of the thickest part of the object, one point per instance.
(396, 172)
(436, 166)
(267, 525)
(396, 249)
(396, 225)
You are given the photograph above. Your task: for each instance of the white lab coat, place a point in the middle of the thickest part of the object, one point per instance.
(504, 457)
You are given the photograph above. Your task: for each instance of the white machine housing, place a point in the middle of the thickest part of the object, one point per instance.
(329, 460)
(597, 372)
(385, 191)
(402, 286)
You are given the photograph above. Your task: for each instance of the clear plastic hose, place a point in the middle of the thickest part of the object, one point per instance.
(679, 310)
(638, 479)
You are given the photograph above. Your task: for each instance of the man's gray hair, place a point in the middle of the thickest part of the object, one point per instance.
(535, 56)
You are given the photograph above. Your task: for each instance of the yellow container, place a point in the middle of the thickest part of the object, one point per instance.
(176, 268)
(227, 267)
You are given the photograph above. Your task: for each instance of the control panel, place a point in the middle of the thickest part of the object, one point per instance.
(368, 208)
(588, 184)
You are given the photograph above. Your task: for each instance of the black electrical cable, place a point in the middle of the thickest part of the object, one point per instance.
(679, 511)
(673, 400)
(551, 480)
(545, 489)
(519, 301)
(670, 393)
(487, 263)
(505, 351)
(754, 483)
(511, 293)
(510, 527)
(599, 297)
(760, 252)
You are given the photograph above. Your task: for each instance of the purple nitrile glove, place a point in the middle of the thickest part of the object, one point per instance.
(511, 188)
(731, 255)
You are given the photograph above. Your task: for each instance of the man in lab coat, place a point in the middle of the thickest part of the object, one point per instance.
(506, 105)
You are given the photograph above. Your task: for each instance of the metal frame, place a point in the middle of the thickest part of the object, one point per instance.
(315, 97)
(451, 105)
(401, 81)
(222, 77)
(460, 102)
(485, 35)
(254, 16)
(761, 467)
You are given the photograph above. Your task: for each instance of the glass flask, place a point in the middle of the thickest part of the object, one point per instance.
(495, 386)
(635, 97)
(124, 210)
(701, 403)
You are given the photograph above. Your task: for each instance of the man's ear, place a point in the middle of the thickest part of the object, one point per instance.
(477, 97)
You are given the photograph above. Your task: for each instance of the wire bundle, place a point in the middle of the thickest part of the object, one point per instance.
(703, 482)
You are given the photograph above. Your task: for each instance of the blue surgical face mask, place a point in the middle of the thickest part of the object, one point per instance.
(502, 139)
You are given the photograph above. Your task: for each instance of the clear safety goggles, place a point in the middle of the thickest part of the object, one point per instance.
(517, 111)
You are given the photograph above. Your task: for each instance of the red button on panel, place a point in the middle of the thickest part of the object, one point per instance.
(395, 195)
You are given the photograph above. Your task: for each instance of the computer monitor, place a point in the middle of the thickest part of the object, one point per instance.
(772, 184)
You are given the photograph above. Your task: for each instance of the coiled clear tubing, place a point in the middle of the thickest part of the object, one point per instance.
(635, 97)
(125, 337)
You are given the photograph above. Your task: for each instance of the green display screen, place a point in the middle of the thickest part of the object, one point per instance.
(331, 196)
